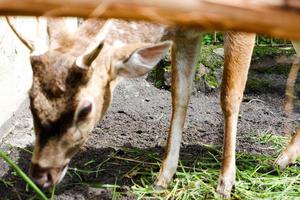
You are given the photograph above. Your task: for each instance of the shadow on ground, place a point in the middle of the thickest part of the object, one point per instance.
(95, 172)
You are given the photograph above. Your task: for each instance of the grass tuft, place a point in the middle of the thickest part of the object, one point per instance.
(196, 176)
(22, 174)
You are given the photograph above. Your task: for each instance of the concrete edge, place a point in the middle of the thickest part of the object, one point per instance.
(8, 125)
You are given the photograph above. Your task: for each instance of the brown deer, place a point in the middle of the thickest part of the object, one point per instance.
(74, 77)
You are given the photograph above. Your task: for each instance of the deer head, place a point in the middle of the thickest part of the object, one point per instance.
(73, 81)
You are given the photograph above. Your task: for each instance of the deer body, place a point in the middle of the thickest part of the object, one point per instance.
(74, 78)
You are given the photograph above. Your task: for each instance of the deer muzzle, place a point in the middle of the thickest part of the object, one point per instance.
(46, 177)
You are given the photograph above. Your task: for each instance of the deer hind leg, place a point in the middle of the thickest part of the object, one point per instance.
(292, 151)
(238, 51)
(184, 54)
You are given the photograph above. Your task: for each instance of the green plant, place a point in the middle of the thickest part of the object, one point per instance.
(256, 85)
(207, 39)
(211, 80)
(19, 171)
(212, 38)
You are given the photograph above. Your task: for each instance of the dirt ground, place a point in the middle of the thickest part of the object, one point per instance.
(138, 119)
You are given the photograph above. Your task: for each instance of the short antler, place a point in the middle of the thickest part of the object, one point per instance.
(26, 42)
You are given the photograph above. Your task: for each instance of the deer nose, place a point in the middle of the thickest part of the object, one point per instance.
(45, 177)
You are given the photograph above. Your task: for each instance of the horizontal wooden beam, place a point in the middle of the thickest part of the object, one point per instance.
(279, 18)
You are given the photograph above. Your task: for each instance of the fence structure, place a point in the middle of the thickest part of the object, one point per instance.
(278, 18)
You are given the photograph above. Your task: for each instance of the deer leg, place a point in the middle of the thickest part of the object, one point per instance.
(238, 50)
(184, 54)
(291, 153)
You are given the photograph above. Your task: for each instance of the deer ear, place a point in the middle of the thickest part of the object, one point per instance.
(142, 60)
(55, 28)
(86, 60)
(58, 35)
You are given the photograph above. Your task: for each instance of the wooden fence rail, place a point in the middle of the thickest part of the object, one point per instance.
(279, 18)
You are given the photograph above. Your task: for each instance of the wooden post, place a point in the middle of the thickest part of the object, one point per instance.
(279, 18)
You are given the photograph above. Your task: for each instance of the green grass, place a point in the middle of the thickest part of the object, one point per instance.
(256, 179)
(260, 51)
(276, 142)
(278, 70)
(23, 175)
(257, 85)
(196, 177)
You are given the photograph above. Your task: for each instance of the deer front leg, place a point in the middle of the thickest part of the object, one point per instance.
(238, 50)
(184, 53)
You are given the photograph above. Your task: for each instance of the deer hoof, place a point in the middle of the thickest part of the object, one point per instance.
(158, 187)
(224, 187)
(282, 161)
(160, 184)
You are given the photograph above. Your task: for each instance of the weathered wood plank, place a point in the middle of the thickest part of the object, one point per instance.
(280, 18)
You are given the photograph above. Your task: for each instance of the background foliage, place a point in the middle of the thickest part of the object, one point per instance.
(261, 40)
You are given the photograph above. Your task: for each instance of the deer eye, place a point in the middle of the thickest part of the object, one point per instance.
(84, 111)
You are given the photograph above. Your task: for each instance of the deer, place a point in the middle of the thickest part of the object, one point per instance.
(75, 75)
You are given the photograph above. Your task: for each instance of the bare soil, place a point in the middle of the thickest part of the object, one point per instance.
(138, 119)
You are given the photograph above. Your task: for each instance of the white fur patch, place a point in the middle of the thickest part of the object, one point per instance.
(71, 24)
(118, 44)
(121, 31)
(134, 26)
